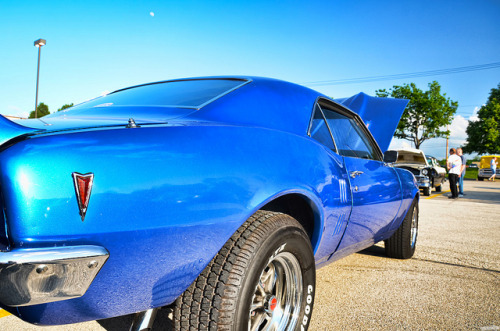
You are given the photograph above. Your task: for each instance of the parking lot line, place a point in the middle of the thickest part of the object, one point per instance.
(437, 194)
(3, 313)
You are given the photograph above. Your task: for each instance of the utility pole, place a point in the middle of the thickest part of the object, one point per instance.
(447, 149)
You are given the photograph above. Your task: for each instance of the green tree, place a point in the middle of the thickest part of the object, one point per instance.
(426, 114)
(483, 135)
(41, 111)
(475, 159)
(65, 106)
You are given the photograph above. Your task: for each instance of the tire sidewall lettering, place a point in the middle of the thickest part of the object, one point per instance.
(309, 299)
(276, 252)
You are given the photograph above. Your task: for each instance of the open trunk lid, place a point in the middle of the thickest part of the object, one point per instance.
(381, 115)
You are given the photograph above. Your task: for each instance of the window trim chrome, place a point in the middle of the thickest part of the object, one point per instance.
(341, 109)
(318, 106)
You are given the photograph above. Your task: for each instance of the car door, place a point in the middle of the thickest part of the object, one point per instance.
(334, 190)
(375, 186)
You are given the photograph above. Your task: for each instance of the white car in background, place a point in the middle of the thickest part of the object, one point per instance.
(426, 170)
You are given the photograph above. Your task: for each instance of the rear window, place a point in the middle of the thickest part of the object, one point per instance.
(180, 94)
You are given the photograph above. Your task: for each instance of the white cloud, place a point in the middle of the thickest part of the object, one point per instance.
(14, 108)
(152, 14)
(474, 117)
(15, 111)
(400, 144)
(437, 146)
(458, 127)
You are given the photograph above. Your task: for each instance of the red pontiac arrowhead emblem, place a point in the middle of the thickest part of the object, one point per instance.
(83, 187)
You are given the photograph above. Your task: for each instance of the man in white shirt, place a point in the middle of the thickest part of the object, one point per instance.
(454, 172)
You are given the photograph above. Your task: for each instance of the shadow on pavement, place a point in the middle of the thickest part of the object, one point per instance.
(117, 323)
(457, 265)
(482, 194)
(374, 251)
(162, 322)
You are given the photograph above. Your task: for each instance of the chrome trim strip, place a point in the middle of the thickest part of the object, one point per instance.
(198, 107)
(318, 107)
(225, 93)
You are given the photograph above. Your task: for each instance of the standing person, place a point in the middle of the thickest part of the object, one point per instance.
(462, 172)
(454, 167)
(493, 166)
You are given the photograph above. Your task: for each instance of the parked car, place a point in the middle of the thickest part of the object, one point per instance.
(217, 196)
(485, 167)
(437, 173)
(426, 170)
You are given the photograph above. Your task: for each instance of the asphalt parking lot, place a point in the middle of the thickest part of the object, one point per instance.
(452, 282)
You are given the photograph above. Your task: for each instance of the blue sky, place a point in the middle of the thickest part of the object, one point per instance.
(98, 46)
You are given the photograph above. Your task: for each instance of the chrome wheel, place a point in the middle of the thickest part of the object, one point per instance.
(264, 278)
(414, 227)
(278, 295)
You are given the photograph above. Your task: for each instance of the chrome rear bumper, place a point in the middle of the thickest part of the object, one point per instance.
(40, 275)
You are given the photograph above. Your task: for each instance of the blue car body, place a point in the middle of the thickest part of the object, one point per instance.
(172, 182)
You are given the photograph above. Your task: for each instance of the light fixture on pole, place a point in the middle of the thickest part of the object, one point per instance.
(38, 43)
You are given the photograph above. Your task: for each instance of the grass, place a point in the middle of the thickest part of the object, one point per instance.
(471, 173)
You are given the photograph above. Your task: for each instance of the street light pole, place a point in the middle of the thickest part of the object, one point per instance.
(38, 43)
(447, 137)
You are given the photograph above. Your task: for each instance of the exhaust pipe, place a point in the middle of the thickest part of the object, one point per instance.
(144, 320)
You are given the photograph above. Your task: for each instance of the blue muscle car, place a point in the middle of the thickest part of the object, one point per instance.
(218, 197)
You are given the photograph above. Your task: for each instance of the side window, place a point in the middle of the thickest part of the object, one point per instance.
(349, 137)
(319, 130)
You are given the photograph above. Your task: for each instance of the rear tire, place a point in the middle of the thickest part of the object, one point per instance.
(427, 191)
(439, 188)
(401, 245)
(480, 179)
(264, 273)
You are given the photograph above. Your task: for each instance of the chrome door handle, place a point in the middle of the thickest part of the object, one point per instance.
(355, 174)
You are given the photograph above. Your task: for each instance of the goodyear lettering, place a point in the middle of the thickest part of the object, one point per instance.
(307, 310)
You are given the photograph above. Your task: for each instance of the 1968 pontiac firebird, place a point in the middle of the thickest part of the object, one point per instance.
(218, 197)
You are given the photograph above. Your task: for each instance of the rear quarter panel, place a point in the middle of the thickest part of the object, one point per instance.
(164, 201)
